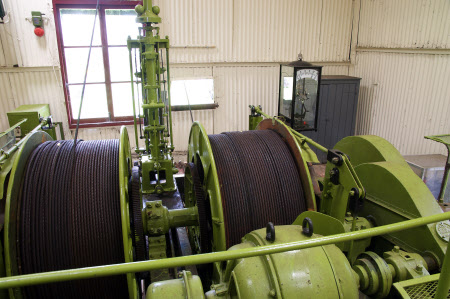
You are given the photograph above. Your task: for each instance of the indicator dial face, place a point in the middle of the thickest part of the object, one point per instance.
(306, 91)
(308, 73)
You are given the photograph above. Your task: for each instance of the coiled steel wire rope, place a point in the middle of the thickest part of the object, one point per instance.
(69, 217)
(259, 181)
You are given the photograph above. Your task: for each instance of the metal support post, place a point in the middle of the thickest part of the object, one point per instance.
(443, 286)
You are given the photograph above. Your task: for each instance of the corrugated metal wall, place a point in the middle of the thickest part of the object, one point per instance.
(31, 86)
(403, 58)
(405, 24)
(401, 50)
(238, 43)
(404, 97)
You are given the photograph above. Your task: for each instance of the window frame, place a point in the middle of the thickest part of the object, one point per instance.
(91, 4)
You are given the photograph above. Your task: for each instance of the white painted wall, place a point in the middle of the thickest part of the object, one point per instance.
(241, 43)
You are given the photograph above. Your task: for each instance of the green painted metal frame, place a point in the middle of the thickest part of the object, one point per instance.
(156, 158)
(109, 270)
(200, 153)
(125, 165)
(401, 285)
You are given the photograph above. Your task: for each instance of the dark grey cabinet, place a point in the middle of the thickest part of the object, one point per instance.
(337, 111)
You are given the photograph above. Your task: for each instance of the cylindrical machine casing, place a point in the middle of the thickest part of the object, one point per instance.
(319, 272)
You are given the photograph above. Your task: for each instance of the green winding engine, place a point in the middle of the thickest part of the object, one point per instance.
(253, 217)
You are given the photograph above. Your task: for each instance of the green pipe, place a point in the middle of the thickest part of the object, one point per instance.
(309, 140)
(183, 217)
(195, 107)
(132, 97)
(443, 286)
(153, 106)
(118, 269)
(61, 129)
(168, 95)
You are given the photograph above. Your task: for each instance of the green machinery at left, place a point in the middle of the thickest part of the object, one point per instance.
(81, 220)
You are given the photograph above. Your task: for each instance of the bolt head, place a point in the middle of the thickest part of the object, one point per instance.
(335, 160)
(396, 249)
(158, 205)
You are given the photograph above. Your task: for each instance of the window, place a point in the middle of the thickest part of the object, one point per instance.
(107, 97)
(192, 92)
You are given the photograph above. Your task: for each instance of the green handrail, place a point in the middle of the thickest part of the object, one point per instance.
(118, 269)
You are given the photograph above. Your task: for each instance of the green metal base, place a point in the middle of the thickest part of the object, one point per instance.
(394, 194)
(157, 177)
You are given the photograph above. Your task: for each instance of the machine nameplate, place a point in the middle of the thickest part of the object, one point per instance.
(443, 230)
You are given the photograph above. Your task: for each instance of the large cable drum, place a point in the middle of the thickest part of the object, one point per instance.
(71, 211)
(248, 179)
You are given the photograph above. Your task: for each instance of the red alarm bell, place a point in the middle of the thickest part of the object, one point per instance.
(39, 31)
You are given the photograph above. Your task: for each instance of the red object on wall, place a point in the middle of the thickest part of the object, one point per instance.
(39, 31)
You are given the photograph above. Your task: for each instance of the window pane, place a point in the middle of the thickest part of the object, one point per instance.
(286, 86)
(119, 63)
(94, 102)
(76, 59)
(121, 23)
(121, 93)
(199, 91)
(77, 27)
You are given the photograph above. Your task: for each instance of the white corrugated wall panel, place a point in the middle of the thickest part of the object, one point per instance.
(35, 87)
(405, 24)
(181, 125)
(199, 30)
(404, 97)
(33, 50)
(237, 88)
(277, 30)
(335, 70)
(6, 100)
(8, 42)
(107, 133)
(2, 54)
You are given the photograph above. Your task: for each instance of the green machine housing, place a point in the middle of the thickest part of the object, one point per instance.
(33, 114)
